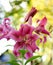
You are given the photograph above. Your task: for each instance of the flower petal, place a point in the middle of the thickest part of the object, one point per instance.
(28, 55)
(26, 29)
(28, 47)
(30, 20)
(32, 12)
(45, 39)
(45, 31)
(16, 53)
(18, 46)
(43, 22)
(41, 27)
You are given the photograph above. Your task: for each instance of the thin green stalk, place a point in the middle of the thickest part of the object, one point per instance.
(22, 61)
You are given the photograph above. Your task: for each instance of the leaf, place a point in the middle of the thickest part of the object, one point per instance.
(12, 57)
(17, 2)
(13, 60)
(9, 45)
(13, 63)
(19, 61)
(32, 58)
(22, 52)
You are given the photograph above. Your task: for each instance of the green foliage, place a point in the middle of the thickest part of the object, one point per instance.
(22, 51)
(31, 59)
(18, 2)
(13, 60)
(12, 63)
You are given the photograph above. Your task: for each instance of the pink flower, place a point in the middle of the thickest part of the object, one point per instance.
(20, 34)
(41, 27)
(25, 39)
(5, 28)
(31, 13)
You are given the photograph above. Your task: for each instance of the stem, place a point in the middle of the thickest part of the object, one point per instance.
(22, 61)
(31, 62)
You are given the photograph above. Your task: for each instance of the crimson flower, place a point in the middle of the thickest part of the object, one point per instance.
(5, 28)
(25, 40)
(41, 27)
(31, 13)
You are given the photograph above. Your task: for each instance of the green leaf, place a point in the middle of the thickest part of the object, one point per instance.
(12, 63)
(22, 52)
(8, 45)
(32, 58)
(13, 60)
(12, 57)
(19, 61)
(17, 2)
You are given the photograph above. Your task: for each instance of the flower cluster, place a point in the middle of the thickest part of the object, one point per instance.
(24, 37)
